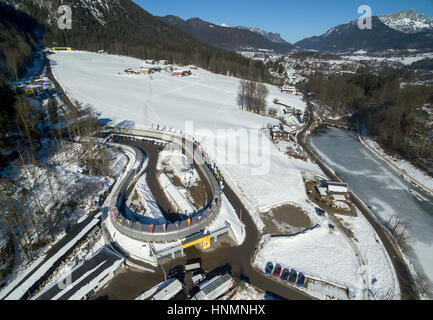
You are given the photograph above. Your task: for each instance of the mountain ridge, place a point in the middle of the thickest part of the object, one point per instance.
(225, 37)
(122, 27)
(348, 38)
(408, 21)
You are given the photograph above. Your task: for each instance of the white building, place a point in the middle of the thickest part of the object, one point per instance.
(336, 187)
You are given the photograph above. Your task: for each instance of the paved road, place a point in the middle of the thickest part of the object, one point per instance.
(407, 285)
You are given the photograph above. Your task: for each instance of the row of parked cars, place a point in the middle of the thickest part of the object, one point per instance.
(285, 274)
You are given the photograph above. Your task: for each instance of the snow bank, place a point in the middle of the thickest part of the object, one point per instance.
(176, 197)
(153, 214)
(318, 253)
(228, 213)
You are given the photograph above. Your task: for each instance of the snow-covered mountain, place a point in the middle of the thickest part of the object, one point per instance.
(349, 38)
(408, 21)
(272, 36)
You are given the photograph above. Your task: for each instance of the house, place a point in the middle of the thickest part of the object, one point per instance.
(279, 134)
(323, 193)
(156, 69)
(288, 89)
(336, 187)
(181, 73)
(163, 62)
(144, 70)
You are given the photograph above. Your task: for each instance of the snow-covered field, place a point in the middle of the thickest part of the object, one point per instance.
(360, 264)
(207, 102)
(204, 105)
(408, 60)
(152, 214)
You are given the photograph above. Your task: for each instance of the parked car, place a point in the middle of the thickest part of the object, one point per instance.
(285, 274)
(293, 276)
(269, 268)
(301, 279)
(277, 271)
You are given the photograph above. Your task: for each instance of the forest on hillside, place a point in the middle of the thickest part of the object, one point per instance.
(393, 112)
(129, 30)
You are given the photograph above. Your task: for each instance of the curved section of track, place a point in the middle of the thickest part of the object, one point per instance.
(178, 226)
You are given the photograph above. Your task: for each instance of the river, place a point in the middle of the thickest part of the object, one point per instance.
(383, 190)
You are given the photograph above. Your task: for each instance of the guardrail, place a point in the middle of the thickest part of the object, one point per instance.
(168, 231)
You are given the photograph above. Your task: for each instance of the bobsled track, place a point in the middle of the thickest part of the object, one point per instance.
(178, 226)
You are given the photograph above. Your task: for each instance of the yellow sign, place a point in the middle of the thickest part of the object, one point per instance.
(204, 242)
(28, 91)
(61, 49)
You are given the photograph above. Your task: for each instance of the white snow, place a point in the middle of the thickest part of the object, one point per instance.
(228, 214)
(209, 102)
(205, 107)
(176, 197)
(153, 214)
(332, 257)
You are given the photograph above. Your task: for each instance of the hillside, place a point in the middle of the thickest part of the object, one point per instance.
(17, 41)
(348, 37)
(122, 27)
(233, 39)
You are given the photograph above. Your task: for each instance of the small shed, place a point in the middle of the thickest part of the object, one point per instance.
(339, 197)
(323, 192)
(144, 71)
(336, 187)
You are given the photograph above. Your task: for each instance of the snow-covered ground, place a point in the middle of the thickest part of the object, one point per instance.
(246, 291)
(408, 60)
(330, 256)
(203, 105)
(61, 182)
(383, 191)
(181, 202)
(171, 159)
(228, 214)
(152, 214)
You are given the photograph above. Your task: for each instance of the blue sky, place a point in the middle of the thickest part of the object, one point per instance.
(294, 20)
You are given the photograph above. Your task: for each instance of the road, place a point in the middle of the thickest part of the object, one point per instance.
(407, 286)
